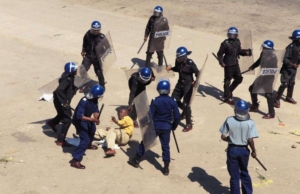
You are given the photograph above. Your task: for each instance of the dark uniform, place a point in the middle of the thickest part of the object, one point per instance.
(288, 73)
(184, 86)
(63, 96)
(156, 42)
(231, 49)
(163, 110)
(85, 129)
(90, 43)
(264, 82)
(135, 87)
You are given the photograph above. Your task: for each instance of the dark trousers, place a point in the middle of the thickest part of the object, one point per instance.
(86, 138)
(160, 55)
(231, 72)
(88, 61)
(185, 91)
(63, 115)
(164, 137)
(237, 165)
(287, 79)
(270, 100)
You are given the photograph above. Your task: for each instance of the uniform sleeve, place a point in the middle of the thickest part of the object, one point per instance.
(176, 115)
(224, 128)
(133, 88)
(148, 27)
(96, 109)
(80, 109)
(221, 52)
(243, 52)
(152, 107)
(61, 91)
(253, 131)
(175, 68)
(288, 56)
(121, 123)
(257, 62)
(85, 42)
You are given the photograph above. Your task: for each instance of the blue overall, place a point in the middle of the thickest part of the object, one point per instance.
(85, 129)
(163, 108)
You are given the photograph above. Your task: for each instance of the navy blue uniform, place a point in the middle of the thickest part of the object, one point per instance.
(85, 129)
(163, 108)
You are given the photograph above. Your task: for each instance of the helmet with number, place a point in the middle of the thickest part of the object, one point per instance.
(241, 110)
(158, 11)
(163, 86)
(232, 33)
(268, 44)
(181, 54)
(96, 25)
(70, 68)
(295, 35)
(145, 74)
(97, 91)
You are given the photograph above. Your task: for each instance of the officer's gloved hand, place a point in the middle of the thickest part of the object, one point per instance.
(250, 69)
(249, 52)
(223, 65)
(294, 65)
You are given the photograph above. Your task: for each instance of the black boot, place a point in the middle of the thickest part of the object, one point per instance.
(148, 59)
(135, 161)
(160, 56)
(166, 170)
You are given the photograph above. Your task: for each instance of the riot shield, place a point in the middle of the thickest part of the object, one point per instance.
(160, 36)
(106, 53)
(160, 71)
(197, 82)
(145, 120)
(270, 65)
(245, 62)
(129, 72)
(48, 89)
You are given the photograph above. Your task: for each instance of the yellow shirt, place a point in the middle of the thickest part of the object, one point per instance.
(127, 124)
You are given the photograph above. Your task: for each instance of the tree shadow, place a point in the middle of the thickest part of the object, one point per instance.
(208, 182)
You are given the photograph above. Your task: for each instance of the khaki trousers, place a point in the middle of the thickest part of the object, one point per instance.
(113, 136)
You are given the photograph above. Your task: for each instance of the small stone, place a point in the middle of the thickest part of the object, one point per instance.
(293, 146)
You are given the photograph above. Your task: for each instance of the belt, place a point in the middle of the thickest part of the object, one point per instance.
(233, 145)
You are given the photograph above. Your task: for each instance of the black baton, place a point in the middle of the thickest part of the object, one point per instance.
(245, 72)
(100, 111)
(261, 164)
(215, 56)
(175, 141)
(165, 61)
(141, 47)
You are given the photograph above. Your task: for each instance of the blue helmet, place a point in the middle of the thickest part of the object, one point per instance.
(97, 91)
(70, 68)
(163, 86)
(296, 34)
(241, 110)
(232, 33)
(181, 51)
(158, 10)
(268, 44)
(145, 74)
(96, 25)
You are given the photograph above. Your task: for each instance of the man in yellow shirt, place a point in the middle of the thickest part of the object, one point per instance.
(120, 135)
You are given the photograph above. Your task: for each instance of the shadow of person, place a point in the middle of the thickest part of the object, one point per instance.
(138, 61)
(48, 131)
(150, 156)
(208, 182)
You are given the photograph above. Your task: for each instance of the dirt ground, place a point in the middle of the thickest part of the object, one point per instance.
(39, 37)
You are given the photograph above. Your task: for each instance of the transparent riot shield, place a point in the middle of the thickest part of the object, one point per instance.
(145, 120)
(270, 65)
(197, 82)
(160, 71)
(106, 53)
(47, 90)
(129, 72)
(245, 62)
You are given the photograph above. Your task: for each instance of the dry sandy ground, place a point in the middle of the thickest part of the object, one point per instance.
(38, 37)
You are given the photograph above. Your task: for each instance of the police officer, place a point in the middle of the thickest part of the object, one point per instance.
(228, 56)
(267, 45)
(62, 100)
(90, 41)
(156, 25)
(240, 130)
(288, 70)
(184, 87)
(163, 109)
(85, 124)
(137, 84)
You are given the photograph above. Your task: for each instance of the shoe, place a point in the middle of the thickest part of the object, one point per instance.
(134, 162)
(92, 147)
(166, 171)
(269, 116)
(229, 101)
(110, 152)
(52, 125)
(253, 108)
(187, 128)
(63, 144)
(290, 100)
(76, 164)
(276, 103)
(136, 125)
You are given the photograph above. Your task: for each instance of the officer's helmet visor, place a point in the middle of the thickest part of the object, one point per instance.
(95, 32)
(181, 58)
(232, 36)
(157, 14)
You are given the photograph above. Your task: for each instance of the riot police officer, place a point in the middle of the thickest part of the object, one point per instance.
(163, 109)
(228, 56)
(62, 100)
(184, 87)
(288, 70)
(155, 29)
